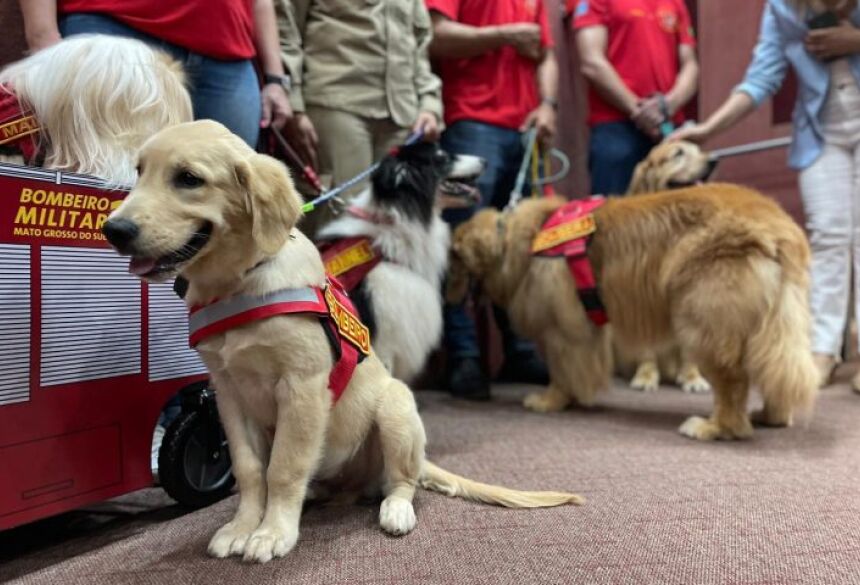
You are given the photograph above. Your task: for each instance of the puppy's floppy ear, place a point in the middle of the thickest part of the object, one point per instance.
(271, 200)
(478, 244)
(458, 281)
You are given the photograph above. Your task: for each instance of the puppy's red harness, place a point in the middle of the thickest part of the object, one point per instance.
(566, 233)
(349, 337)
(349, 259)
(19, 129)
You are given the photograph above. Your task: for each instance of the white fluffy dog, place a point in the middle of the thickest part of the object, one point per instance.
(96, 99)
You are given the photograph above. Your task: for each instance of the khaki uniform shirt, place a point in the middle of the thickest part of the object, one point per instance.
(367, 57)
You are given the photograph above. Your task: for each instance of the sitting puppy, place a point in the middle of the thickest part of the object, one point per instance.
(669, 165)
(390, 250)
(300, 394)
(718, 268)
(88, 103)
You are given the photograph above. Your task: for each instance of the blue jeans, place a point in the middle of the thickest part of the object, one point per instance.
(225, 91)
(503, 150)
(615, 150)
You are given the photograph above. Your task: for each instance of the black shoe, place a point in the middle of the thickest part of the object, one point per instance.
(524, 367)
(466, 379)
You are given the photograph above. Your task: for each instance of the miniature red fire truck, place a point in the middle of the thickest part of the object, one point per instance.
(89, 356)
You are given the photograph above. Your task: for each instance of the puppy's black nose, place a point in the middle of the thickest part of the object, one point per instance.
(120, 233)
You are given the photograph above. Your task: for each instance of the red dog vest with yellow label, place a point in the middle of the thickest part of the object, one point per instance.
(350, 338)
(566, 234)
(18, 128)
(349, 259)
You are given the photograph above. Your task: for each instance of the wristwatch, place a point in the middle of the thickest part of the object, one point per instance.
(552, 102)
(282, 80)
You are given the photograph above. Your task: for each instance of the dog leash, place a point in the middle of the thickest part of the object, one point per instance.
(327, 196)
(306, 169)
(517, 193)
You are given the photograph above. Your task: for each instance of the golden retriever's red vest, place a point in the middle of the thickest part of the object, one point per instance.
(350, 338)
(19, 129)
(566, 234)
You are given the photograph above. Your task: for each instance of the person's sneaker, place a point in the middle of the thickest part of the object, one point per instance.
(466, 379)
(524, 367)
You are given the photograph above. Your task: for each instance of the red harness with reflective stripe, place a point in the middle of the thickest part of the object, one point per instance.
(349, 337)
(566, 233)
(19, 129)
(349, 259)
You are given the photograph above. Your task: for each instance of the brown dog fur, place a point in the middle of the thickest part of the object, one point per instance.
(720, 268)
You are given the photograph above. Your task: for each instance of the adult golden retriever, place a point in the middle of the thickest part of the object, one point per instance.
(208, 207)
(669, 165)
(719, 268)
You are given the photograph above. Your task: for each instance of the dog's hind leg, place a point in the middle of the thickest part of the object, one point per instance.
(402, 437)
(729, 419)
(303, 408)
(248, 454)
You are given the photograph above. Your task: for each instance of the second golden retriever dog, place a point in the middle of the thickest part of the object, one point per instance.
(719, 268)
(209, 208)
(669, 165)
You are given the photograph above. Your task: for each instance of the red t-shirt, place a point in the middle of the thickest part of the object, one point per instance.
(499, 87)
(222, 29)
(644, 36)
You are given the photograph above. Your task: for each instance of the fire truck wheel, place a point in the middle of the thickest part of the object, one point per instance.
(193, 462)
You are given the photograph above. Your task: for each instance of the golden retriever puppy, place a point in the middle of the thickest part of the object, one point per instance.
(95, 100)
(208, 207)
(719, 268)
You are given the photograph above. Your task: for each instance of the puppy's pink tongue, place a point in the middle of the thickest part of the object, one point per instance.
(141, 266)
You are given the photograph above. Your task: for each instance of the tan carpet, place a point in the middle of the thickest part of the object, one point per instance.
(780, 509)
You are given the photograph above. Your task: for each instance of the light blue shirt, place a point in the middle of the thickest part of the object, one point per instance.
(780, 44)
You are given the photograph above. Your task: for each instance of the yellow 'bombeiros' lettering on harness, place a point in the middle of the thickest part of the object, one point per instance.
(572, 230)
(347, 324)
(18, 128)
(351, 257)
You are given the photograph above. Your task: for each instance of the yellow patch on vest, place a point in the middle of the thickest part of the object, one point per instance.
(18, 128)
(348, 324)
(356, 255)
(565, 232)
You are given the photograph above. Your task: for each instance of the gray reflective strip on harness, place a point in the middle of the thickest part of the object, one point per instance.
(220, 310)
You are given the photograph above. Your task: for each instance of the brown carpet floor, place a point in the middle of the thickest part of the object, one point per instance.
(781, 509)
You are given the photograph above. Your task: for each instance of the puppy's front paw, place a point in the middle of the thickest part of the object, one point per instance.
(549, 401)
(267, 543)
(397, 516)
(647, 377)
(230, 540)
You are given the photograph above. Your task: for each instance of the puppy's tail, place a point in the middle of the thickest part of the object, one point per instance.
(780, 356)
(438, 480)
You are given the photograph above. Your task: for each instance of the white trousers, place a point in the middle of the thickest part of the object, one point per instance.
(830, 189)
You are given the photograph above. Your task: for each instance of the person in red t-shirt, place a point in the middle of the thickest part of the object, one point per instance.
(499, 76)
(639, 58)
(215, 40)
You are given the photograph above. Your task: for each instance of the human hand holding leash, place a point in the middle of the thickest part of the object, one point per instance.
(276, 106)
(427, 124)
(303, 137)
(543, 118)
(648, 115)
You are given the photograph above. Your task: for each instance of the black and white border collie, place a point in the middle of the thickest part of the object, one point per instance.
(400, 215)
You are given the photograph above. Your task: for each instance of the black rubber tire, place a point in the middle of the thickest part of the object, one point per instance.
(180, 457)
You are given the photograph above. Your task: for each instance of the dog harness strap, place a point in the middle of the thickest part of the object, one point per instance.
(566, 234)
(350, 339)
(18, 127)
(349, 259)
